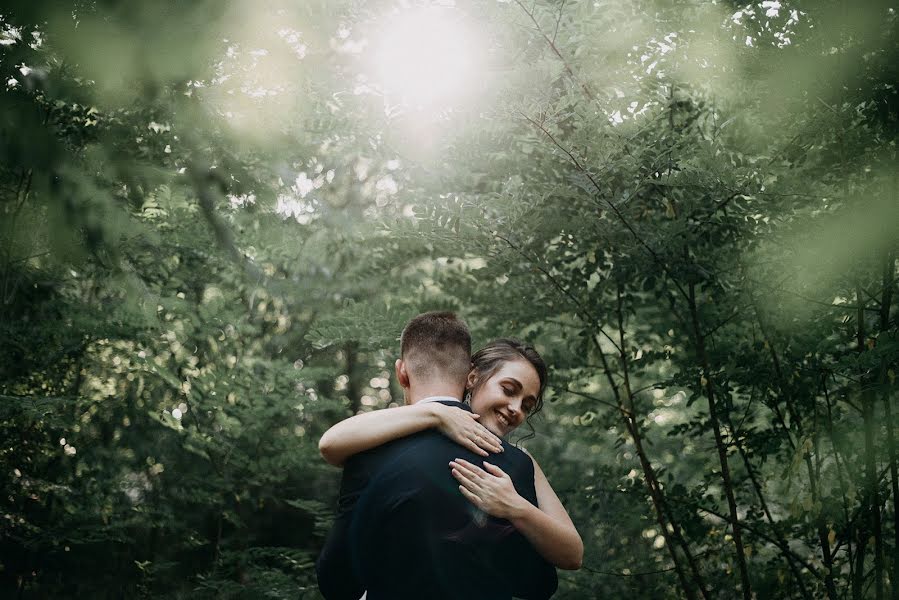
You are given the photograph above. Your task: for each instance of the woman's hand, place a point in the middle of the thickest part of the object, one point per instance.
(463, 428)
(492, 490)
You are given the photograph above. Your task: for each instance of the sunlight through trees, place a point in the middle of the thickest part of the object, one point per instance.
(217, 216)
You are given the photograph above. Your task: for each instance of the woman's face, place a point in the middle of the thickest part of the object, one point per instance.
(504, 400)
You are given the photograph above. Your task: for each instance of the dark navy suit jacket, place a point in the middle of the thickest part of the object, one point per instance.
(403, 529)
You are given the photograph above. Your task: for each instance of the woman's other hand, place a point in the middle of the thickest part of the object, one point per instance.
(463, 428)
(490, 490)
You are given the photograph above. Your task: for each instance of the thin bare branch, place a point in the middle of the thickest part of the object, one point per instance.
(556, 51)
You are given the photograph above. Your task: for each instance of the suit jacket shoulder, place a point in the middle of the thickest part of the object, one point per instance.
(416, 469)
(413, 508)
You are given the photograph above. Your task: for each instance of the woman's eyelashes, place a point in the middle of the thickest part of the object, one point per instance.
(511, 387)
(511, 390)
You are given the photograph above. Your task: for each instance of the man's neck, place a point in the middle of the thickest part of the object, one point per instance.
(419, 392)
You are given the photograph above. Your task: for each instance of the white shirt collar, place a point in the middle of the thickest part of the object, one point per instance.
(438, 399)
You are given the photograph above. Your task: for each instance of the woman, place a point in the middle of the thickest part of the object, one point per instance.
(505, 387)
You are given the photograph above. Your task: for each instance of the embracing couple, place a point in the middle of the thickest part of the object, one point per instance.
(434, 503)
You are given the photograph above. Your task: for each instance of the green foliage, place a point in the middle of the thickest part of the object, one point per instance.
(214, 226)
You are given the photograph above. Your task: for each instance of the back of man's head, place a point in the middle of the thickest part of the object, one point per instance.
(436, 345)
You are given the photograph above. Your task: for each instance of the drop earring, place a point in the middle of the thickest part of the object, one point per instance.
(467, 397)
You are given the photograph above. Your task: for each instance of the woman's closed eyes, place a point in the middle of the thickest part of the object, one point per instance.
(511, 388)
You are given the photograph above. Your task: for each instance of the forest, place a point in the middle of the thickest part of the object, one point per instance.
(216, 216)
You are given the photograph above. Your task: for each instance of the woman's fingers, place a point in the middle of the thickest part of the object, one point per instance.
(467, 467)
(472, 491)
(491, 490)
(497, 442)
(493, 469)
(486, 440)
(471, 441)
(473, 446)
(463, 427)
(486, 433)
(474, 441)
(472, 472)
(470, 496)
(465, 480)
(465, 470)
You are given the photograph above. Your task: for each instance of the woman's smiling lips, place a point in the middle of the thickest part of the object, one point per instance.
(503, 419)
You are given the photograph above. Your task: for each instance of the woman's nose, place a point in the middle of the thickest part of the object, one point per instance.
(515, 408)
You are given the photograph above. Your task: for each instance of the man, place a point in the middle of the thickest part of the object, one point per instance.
(403, 529)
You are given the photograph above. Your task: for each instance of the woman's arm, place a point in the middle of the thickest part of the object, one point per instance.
(368, 430)
(548, 528)
(551, 531)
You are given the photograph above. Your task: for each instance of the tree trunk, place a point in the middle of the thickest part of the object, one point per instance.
(662, 511)
(871, 480)
(655, 493)
(782, 542)
(886, 301)
(353, 389)
(726, 481)
(858, 576)
(796, 421)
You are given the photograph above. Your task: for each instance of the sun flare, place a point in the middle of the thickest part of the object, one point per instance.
(425, 56)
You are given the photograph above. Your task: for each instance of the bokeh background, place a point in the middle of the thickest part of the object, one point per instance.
(215, 218)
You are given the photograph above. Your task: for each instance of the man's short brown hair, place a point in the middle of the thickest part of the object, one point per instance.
(436, 343)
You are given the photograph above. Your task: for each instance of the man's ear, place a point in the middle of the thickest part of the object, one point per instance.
(401, 375)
